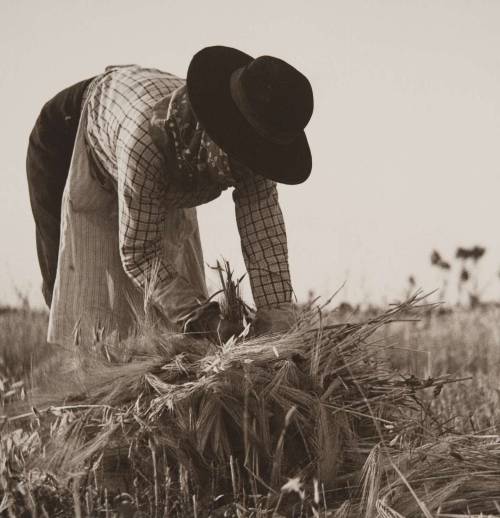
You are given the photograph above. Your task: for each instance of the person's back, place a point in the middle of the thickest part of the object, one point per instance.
(120, 104)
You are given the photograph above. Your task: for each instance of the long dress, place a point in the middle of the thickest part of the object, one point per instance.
(93, 297)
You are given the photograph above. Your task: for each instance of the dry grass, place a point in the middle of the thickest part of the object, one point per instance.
(463, 343)
(326, 420)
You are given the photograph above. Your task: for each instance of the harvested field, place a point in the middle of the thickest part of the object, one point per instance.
(392, 415)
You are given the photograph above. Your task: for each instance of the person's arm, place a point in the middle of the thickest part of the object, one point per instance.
(143, 205)
(264, 245)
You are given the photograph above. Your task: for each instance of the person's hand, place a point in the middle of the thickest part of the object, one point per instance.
(278, 319)
(203, 320)
(206, 321)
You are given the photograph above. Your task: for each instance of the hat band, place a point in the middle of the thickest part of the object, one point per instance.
(245, 108)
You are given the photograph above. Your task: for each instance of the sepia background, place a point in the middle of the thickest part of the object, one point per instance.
(405, 134)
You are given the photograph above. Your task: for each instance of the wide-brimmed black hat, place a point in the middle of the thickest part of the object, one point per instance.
(254, 109)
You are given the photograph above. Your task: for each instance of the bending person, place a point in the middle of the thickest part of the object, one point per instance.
(117, 164)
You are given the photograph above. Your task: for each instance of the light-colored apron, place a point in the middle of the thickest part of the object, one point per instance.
(93, 296)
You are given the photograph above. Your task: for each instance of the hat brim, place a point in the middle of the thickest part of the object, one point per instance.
(208, 84)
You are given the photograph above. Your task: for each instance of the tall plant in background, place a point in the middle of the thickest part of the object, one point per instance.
(444, 268)
(469, 278)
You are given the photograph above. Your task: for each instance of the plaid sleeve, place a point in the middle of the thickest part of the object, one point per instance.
(142, 206)
(263, 240)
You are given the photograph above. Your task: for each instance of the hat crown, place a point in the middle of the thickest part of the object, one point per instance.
(278, 95)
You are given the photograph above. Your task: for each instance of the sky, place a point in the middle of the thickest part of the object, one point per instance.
(404, 136)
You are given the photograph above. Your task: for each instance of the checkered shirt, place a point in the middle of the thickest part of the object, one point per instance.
(120, 107)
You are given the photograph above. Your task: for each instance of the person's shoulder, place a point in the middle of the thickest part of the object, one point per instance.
(248, 180)
(141, 72)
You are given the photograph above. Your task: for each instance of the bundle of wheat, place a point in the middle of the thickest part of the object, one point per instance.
(251, 413)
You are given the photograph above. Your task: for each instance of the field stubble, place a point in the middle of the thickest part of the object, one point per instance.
(463, 448)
